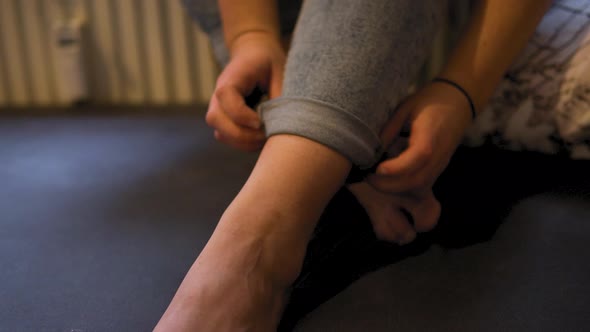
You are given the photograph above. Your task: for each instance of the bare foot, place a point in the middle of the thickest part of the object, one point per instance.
(231, 287)
(241, 278)
(389, 213)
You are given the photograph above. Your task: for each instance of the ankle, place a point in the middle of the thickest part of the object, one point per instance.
(275, 254)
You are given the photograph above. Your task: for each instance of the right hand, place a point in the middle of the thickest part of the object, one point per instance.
(438, 116)
(257, 60)
(399, 197)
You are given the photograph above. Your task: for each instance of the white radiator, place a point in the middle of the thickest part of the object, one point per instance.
(134, 52)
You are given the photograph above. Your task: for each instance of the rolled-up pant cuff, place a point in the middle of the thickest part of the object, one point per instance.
(324, 123)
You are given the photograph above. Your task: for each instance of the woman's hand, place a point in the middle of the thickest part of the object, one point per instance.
(399, 198)
(257, 60)
(437, 116)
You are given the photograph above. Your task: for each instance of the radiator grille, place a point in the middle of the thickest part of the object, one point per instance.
(134, 52)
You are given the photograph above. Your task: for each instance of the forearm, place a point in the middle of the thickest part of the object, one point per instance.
(242, 16)
(495, 35)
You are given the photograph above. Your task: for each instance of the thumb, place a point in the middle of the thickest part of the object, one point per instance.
(394, 125)
(417, 155)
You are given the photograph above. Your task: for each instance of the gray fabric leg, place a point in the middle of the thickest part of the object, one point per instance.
(350, 63)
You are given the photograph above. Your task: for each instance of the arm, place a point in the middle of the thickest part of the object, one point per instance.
(240, 17)
(495, 35)
(439, 114)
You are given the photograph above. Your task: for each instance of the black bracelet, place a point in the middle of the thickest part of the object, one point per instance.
(458, 87)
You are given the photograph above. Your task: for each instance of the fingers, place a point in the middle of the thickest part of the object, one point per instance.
(229, 132)
(392, 184)
(235, 123)
(232, 103)
(411, 169)
(420, 150)
(394, 126)
(230, 92)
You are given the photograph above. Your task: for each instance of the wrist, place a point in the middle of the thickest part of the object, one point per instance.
(479, 87)
(253, 36)
(459, 88)
(452, 105)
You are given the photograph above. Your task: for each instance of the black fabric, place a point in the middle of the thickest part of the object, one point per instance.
(102, 214)
(510, 254)
(344, 248)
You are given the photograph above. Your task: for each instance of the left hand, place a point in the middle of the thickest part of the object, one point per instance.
(257, 60)
(437, 115)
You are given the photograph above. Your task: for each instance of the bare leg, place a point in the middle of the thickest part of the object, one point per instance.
(240, 280)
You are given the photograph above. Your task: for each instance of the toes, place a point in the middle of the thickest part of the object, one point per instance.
(397, 218)
(393, 226)
(425, 211)
(407, 237)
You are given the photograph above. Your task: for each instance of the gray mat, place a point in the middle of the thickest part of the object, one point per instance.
(101, 216)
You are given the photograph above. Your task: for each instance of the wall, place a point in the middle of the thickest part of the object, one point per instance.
(134, 52)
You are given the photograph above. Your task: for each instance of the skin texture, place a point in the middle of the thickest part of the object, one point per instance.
(262, 16)
(240, 280)
(258, 59)
(438, 114)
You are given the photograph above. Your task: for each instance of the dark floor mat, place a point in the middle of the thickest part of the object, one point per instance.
(102, 214)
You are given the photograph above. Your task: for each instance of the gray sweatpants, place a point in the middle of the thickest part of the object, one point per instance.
(349, 65)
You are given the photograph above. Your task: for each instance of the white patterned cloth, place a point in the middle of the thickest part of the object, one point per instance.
(543, 103)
